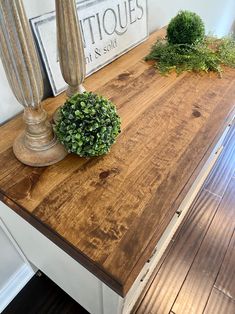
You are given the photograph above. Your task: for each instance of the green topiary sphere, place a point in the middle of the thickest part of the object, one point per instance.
(185, 28)
(87, 125)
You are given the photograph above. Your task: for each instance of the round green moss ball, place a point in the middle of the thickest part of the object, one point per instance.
(185, 28)
(87, 125)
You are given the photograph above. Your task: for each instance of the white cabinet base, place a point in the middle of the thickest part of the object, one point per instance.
(15, 284)
(19, 277)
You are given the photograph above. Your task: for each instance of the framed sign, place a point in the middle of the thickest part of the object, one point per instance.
(109, 29)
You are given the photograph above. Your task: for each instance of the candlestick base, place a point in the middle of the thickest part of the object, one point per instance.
(37, 146)
(50, 155)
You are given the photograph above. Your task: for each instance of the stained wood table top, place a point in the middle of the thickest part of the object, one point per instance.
(109, 212)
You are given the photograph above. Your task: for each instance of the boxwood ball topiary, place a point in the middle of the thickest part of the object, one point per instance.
(87, 125)
(185, 28)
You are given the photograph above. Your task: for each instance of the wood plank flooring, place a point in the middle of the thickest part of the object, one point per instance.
(42, 296)
(219, 303)
(225, 279)
(197, 272)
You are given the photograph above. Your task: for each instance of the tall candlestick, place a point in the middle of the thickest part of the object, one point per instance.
(37, 145)
(70, 46)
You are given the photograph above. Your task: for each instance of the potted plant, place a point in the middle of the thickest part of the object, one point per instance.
(87, 125)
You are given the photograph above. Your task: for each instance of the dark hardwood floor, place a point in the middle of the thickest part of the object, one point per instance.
(197, 272)
(42, 296)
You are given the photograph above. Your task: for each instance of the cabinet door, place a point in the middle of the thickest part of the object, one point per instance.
(15, 271)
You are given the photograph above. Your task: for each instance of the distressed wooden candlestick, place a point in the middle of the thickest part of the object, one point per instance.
(37, 145)
(70, 46)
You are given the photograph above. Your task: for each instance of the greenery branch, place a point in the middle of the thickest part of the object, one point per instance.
(202, 54)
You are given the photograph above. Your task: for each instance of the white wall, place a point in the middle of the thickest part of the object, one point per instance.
(218, 15)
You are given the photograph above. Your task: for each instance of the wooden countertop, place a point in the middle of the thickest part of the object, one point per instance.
(108, 213)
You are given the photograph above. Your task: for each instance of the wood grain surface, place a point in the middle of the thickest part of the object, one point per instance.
(225, 281)
(71, 56)
(167, 283)
(109, 212)
(197, 269)
(196, 289)
(219, 178)
(219, 303)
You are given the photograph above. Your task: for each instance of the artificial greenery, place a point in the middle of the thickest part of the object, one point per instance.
(87, 125)
(185, 28)
(205, 54)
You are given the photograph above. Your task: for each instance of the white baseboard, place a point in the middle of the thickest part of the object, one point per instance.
(15, 283)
